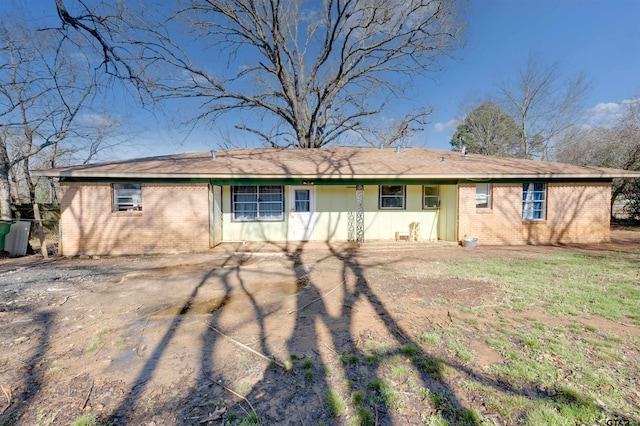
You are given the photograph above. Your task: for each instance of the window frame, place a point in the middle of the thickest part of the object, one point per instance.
(303, 202)
(488, 194)
(116, 197)
(382, 197)
(436, 197)
(265, 217)
(542, 210)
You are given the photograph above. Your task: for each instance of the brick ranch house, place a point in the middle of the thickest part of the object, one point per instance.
(191, 202)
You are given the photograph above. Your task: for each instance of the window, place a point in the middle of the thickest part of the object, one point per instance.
(391, 197)
(302, 200)
(431, 197)
(534, 201)
(257, 203)
(127, 197)
(483, 196)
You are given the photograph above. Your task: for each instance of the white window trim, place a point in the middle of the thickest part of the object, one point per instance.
(234, 218)
(528, 202)
(381, 197)
(489, 195)
(134, 203)
(424, 197)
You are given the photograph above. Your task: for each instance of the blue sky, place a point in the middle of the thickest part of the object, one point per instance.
(598, 37)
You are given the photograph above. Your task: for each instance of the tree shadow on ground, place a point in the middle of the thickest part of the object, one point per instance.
(337, 373)
(333, 371)
(124, 411)
(34, 370)
(330, 374)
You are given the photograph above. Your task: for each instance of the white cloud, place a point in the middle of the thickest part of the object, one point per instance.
(309, 15)
(99, 120)
(609, 113)
(604, 114)
(449, 125)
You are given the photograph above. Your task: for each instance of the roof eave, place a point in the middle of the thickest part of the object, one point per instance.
(431, 176)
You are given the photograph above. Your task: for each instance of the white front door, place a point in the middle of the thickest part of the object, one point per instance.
(302, 207)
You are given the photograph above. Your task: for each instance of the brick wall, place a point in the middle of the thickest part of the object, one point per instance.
(576, 212)
(174, 218)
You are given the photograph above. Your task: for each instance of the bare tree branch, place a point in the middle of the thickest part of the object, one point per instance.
(43, 92)
(544, 104)
(617, 147)
(320, 68)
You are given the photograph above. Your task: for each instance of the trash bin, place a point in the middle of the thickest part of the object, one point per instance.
(17, 239)
(5, 227)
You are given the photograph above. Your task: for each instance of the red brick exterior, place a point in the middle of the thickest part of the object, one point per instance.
(174, 218)
(575, 212)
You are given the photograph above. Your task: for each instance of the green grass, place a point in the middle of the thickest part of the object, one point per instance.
(86, 420)
(399, 372)
(251, 420)
(334, 403)
(566, 283)
(45, 419)
(377, 347)
(308, 375)
(431, 338)
(441, 401)
(53, 371)
(566, 407)
(370, 359)
(431, 366)
(434, 420)
(358, 397)
(384, 392)
(543, 316)
(461, 350)
(351, 359)
(424, 393)
(527, 370)
(243, 388)
(391, 360)
(508, 405)
(95, 340)
(365, 416)
(410, 349)
(549, 371)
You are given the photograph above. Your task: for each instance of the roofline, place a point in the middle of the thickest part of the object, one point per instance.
(233, 176)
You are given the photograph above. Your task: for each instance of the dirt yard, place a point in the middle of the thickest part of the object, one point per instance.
(207, 338)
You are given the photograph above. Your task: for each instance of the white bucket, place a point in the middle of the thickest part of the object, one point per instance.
(470, 243)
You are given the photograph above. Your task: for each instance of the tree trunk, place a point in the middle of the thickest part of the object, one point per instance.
(40, 231)
(30, 185)
(14, 185)
(5, 186)
(5, 194)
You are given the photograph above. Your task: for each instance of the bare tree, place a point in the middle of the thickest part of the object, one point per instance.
(313, 73)
(616, 147)
(43, 90)
(544, 104)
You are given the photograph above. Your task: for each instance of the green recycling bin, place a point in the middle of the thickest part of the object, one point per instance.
(5, 227)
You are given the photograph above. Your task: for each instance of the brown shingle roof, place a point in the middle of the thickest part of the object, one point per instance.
(334, 163)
